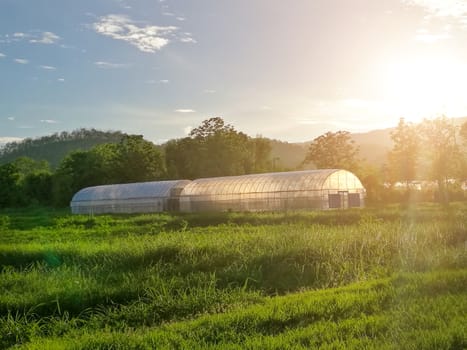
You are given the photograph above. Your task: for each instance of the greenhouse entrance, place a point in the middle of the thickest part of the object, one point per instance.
(344, 200)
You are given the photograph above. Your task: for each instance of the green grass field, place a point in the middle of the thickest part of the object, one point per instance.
(391, 278)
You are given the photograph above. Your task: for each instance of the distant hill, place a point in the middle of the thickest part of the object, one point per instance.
(374, 147)
(55, 147)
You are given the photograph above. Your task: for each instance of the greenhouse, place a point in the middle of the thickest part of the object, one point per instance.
(144, 197)
(310, 189)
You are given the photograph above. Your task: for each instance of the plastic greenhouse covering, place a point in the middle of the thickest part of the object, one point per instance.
(127, 198)
(310, 189)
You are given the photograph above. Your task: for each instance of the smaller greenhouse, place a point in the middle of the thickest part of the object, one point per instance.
(309, 189)
(144, 197)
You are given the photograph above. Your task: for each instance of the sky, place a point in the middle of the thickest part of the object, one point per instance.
(284, 70)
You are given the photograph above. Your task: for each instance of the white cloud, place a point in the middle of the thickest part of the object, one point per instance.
(431, 38)
(6, 139)
(2, 55)
(182, 110)
(187, 130)
(180, 18)
(11, 118)
(188, 40)
(49, 121)
(110, 65)
(148, 38)
(46, 38)
(19, 35)
(442, 8)
(61, 80)
(152, 81)
(21, 61)
(47, 67)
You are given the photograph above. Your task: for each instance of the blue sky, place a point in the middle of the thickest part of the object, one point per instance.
(285, 70)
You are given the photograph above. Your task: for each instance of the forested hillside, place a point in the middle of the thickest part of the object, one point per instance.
(55, 147)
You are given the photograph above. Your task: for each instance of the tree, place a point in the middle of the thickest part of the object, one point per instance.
(10, 194)
(443, 152)
(216, 149)
(334, 150)
(138, 160)
(404, 156)
(133, 159)
(77, 170)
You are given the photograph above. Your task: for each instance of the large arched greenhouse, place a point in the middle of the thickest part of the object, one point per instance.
(143, 197)
(309, 189)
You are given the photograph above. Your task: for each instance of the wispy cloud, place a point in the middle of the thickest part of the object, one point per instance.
(187, 38)
(20, 35)
(425, 36)
(111, 65)
(45, 38)
(47, 67)
(11, 118)
(182, 110)
(21, 61)
(442, 8)
(147, 38)
(152, 81)
(32, 36)
(61, 80)
(49, 121)
(2, 55)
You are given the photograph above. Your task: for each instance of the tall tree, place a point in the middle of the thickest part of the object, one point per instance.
(9, 188)
(138, 160)
(216, 149)
(404, 156)
(334, 150)
(443, 151)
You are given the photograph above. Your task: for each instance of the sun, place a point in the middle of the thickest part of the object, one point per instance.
(421, 87)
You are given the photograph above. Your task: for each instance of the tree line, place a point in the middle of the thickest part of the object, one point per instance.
(433, 150)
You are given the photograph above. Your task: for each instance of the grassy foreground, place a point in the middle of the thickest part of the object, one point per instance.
(375, 278)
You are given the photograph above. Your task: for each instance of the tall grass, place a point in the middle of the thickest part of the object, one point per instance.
(76, 274)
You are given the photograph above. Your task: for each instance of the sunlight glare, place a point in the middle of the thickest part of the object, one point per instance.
(425, 86)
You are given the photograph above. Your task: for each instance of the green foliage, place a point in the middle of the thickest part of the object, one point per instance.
(9, 189)
(216, 149)
(138, 160)
(405, 154)
(133, 159)
(443, 152)
(334, 150)
(235, 280)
